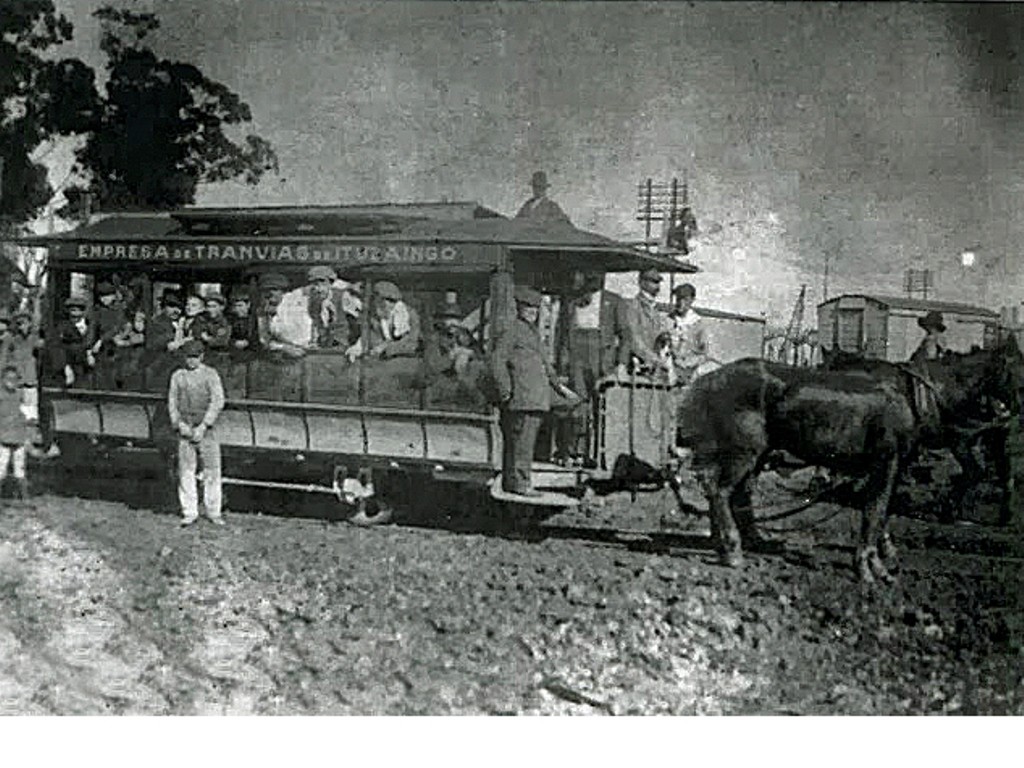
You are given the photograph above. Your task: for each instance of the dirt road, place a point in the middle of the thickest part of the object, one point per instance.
(106, 608)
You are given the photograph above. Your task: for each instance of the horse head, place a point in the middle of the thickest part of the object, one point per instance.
(981, 385)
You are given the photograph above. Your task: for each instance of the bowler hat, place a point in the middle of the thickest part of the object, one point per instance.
(76, 301)
(933, 321)
(539, 179)
(273, 280)
(524, 294)
(651, 274)
(387, 290)
(192, 348)
(321, 272)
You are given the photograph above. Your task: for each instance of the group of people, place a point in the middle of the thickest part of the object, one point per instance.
(640, 339)
(19, 405)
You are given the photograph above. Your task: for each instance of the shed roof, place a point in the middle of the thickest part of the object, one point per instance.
(919, 305)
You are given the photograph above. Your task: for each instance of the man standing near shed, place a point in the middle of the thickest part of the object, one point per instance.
(524, 379)
(194, 402)
(540, 207)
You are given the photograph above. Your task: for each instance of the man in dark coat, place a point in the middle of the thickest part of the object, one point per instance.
(110, 320)
(524, 380)
(165, 335)
(540, 207)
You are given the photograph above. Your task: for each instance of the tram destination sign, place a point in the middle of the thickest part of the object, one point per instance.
(242, 252)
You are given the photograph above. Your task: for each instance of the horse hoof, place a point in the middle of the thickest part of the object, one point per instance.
(886, 549)
(763, 546)
(730, 558)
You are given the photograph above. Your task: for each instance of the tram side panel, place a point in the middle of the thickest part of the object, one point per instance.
(321, 404)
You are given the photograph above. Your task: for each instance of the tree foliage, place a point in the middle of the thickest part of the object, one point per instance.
(40, 97)
(163, 126)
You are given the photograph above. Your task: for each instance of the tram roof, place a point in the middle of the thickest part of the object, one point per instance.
(344, 228)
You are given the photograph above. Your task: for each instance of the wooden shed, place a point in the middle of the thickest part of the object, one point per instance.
(885, 327)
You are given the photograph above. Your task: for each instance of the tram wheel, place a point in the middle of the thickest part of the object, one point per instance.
(371, 512)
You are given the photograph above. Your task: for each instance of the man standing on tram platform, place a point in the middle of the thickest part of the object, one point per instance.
(524, 379)
(540, 207)
(642, 322)
(688, 335)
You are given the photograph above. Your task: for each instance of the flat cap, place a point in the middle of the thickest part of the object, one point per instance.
(524, 294)
(215, 296)
(192, 348)
(273, 280)
(321, 272)
(651, 274)
(686, 289)
(387, 290)
(171, 299)
(105, 289)
(76, 300)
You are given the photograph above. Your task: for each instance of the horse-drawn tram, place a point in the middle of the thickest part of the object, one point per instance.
(352, 343)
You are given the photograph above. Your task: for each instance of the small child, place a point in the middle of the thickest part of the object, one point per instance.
(14, 431)
(665, 365)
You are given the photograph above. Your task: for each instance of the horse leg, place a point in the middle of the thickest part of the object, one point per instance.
(743, 512)
(970, 475)
(999, 449)
(719, 487)
(874, 518)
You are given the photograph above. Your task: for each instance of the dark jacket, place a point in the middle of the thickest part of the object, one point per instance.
(218, 332)
(522, 374)
(542, 209)
(74, 346)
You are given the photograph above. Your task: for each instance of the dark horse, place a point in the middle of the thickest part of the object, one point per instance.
(862, 423)
(993, 439)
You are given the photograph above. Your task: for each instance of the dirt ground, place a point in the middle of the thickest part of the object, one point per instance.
(108, 607)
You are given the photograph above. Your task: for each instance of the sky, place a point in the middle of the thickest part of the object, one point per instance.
(873, 137)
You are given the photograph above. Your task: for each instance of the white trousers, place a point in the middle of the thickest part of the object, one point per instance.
(207, 453)
(12, 454)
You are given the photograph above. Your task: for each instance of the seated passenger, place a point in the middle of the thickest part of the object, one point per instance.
(394, 327)
(110, 319)
(194, 307)
(241, 322)
(313, 316)
(273, 286)
(452, 348)
(212, 328)
(164, 337)
(129, 344)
